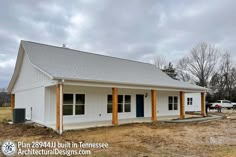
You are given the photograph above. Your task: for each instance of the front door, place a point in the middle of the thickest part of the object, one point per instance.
(139, 105)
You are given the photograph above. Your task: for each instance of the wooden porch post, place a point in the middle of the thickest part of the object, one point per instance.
(182, 110)
(203, 112)
(58, 107)
(154, 108)
(12, 101)
(114, 106)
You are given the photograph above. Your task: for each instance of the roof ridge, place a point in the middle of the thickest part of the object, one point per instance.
(88, 52)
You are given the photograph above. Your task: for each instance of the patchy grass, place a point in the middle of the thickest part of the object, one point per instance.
(208, 139)
(226, 151)
(5, 114)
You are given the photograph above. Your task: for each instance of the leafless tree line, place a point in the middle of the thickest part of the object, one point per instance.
(223, 82)
(206, 66)
(4, 97)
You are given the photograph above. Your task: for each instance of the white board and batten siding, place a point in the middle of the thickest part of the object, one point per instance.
(162, 103)
(96, 104)
(196, 102)
(50, 105)
(29, 91)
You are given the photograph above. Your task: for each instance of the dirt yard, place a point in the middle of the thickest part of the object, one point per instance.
(206, 139)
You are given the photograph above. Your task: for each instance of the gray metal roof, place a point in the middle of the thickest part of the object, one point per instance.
(68, 64)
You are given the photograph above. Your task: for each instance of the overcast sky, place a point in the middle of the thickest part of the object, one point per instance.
(134, 29)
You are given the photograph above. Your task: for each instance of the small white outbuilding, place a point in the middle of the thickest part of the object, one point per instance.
(64, 89)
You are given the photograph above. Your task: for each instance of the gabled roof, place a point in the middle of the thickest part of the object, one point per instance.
(68, 64)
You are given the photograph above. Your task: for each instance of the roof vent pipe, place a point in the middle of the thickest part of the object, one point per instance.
(64, 45)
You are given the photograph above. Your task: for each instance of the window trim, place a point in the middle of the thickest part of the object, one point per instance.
(109, 103)
(72, 109)
(68, 104)
(79, 104)
(173, 103)
(123, 103)
(74, 104)
(190, 101)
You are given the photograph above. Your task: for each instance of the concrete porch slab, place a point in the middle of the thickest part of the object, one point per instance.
(79, 126)
(86, 125)
(194, 119)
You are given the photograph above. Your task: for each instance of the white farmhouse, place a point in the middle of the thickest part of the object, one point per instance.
(65, 89)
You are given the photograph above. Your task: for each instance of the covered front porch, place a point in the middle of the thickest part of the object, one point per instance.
(155, 105)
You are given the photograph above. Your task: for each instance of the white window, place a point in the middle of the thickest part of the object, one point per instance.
(120, 103)
(73, 104)
(79, 104)
(127, 107)
(68, 101)
(189, 101)
(124, 103)
(109, 104)
(173, 103)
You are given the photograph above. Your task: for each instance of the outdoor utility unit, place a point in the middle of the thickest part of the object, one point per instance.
(18, 115)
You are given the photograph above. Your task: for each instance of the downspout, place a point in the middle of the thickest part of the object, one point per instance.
(61, 106)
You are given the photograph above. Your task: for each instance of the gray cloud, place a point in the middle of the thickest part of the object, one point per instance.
(134, 29)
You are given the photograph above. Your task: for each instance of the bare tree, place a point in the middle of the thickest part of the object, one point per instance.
(183, 74)
(223, 82)
(160, 62)
(228, 74)
(200, 63)
(4, 97)
(170, 71)
(217, 86)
